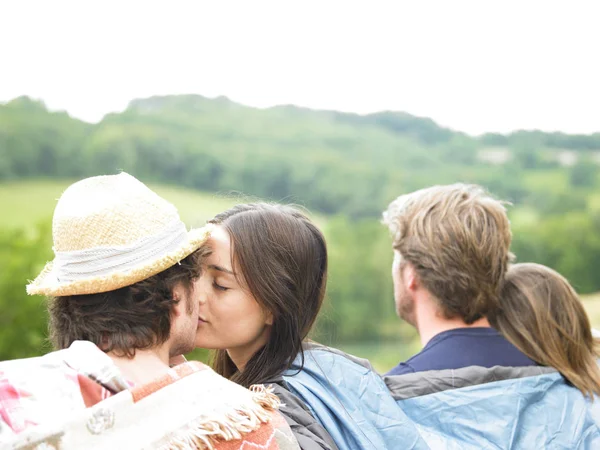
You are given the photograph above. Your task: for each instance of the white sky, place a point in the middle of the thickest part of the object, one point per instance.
(472, 65)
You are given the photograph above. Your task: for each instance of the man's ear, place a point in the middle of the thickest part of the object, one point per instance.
(410, 276)
(179, 297)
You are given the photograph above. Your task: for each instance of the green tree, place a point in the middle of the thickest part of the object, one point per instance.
(23, 254)
(584, 173)
(359, 303)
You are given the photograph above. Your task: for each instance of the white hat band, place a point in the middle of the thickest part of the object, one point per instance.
(105, 261)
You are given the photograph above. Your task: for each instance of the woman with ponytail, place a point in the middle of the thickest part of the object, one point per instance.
(542, 315)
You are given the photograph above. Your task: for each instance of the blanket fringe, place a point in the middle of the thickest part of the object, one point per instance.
(206, 432)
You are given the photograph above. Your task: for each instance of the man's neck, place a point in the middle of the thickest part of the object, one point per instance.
(145, 366)
(431, 323)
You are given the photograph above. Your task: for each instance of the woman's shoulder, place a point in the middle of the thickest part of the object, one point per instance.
(310, 434)
(348, 397)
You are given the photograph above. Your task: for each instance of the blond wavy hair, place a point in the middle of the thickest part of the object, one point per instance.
(457, 238)
(542, 315)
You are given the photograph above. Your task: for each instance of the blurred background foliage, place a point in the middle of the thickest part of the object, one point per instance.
(205, 155)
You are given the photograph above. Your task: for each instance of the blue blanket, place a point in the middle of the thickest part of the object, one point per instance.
(471, 408)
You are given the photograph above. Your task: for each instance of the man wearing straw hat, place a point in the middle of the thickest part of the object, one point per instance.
(123, 302)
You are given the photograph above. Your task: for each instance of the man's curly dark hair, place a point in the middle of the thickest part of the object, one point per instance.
(127, 319)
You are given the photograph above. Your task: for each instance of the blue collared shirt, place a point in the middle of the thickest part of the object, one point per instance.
(464, 347)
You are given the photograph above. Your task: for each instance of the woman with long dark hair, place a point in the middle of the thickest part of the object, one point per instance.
(263, 287)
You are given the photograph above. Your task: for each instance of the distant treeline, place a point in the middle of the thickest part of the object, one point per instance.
(555, 140)
(331, 162)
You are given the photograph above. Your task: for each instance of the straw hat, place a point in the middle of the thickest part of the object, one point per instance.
(110, 232)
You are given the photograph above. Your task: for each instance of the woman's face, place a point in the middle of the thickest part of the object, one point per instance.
(230, 318)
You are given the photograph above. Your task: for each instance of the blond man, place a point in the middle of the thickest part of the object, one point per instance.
(451, 252)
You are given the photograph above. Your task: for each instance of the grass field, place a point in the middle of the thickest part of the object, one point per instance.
(592, 306)
(594, 203)
(28, 202)
(556, 181)
(383, 355)
(522, 216)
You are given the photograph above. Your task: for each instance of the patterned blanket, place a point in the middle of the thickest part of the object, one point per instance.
(77, 398)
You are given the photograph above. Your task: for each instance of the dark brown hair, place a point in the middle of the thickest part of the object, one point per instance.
(457, 237)
(282, 258)
(127, 319)
(542, 316)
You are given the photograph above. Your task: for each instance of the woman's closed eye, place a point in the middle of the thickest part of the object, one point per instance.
(219, 287)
